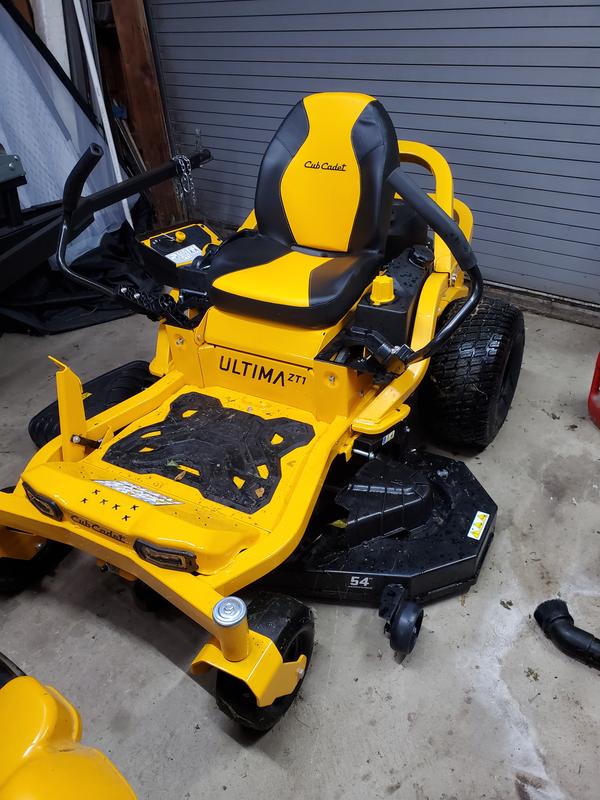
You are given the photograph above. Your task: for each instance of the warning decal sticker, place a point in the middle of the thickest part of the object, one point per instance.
(478, 525)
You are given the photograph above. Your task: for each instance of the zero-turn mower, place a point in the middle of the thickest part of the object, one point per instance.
(267, 442)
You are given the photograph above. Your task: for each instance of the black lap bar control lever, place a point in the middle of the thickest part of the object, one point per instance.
(78, 211)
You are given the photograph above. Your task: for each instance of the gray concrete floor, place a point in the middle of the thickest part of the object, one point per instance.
(484, 708)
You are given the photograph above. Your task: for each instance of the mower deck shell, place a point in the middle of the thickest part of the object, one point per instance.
(438, 555)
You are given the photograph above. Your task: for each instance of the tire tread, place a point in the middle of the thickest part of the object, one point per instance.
(464, 376)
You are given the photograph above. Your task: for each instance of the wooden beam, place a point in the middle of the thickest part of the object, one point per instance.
(24, 9)
(144, 102)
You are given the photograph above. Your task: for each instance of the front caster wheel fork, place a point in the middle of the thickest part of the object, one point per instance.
(290, 626)
(403, 619)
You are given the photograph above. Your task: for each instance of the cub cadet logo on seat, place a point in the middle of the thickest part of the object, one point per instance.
(325, 165)
(93, 526)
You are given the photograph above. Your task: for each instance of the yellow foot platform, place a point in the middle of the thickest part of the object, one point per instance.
(225, 478)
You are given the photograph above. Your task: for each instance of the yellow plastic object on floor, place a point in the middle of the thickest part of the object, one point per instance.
(41, 757)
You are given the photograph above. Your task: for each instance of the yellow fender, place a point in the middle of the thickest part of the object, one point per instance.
(40, 754)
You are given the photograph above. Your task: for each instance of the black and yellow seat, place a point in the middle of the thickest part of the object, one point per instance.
(323, 210)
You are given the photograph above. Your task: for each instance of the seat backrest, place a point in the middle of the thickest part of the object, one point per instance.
(322, 181)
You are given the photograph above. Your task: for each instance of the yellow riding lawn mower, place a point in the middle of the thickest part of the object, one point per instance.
(267, 443)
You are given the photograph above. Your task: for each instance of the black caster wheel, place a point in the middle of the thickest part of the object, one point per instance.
(404, 627)
(290, 624)
(146, 598)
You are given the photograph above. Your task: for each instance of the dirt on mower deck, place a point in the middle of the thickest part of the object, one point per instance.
(485, 708)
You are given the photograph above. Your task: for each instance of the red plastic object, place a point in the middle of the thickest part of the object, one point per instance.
(594, 396)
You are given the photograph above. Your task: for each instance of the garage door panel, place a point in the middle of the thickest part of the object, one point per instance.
(424, 72)
(555, 246)
(398, 56)
(192, 85)
(491, 145)
(544, 284)
(268, 115)
(398, 37)
(510, 272)
(188, 97)
(174, 17)
(275, 8)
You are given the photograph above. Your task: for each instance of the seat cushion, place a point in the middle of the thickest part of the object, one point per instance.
(322, 181)
(260, 277)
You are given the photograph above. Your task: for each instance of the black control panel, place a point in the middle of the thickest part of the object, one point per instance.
(181, 245)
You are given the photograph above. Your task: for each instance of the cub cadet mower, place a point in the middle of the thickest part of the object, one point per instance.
(41, 757)
(268, 437)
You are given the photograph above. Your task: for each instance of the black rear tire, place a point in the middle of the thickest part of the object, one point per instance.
(290, 624)
(472, 380)
(102, 392)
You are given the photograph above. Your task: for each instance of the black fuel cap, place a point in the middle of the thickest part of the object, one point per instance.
(421, 254)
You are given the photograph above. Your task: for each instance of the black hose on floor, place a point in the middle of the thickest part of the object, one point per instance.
(554, 619)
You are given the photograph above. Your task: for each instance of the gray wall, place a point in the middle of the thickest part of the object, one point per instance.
(508, 91)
